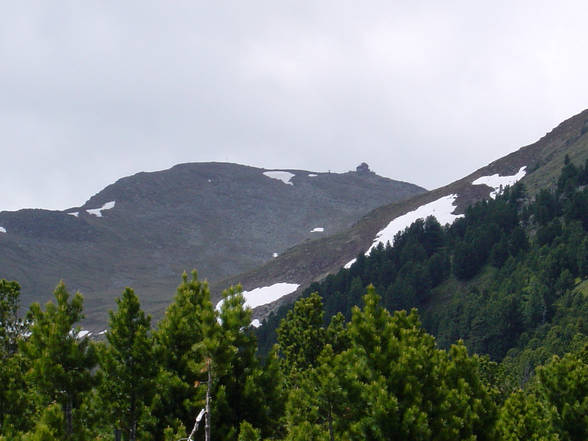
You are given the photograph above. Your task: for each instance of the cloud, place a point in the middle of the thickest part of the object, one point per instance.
(424, 92)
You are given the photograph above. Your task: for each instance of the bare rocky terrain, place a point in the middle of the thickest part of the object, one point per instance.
(144, 230)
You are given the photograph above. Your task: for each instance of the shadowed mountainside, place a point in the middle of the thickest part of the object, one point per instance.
(144, 230)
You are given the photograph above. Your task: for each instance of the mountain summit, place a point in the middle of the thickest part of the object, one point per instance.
(144, 230)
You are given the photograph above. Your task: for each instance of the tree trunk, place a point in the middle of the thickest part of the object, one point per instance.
(67, 410)
(207, 421)
(331, 434)
(133, 425)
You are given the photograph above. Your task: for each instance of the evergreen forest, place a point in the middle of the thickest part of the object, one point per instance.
(473, 331)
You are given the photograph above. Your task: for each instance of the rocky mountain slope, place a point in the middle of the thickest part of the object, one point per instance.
(144, 230)
(537, 165)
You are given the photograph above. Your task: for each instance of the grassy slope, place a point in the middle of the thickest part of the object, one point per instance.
(550, 170)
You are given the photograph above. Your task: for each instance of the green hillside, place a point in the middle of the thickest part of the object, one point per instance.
(501, 279)
(377, 376)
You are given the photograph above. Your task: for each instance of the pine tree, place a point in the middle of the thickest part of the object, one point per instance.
(525, 418)
(11, 326)
(128, 365)
(14, 403)
(563, 384)
(248, 433)
(301, 335)
(319, 404)
(61, 362)
(49, 426)
(392, 383)
(242, 390)
(180, 353)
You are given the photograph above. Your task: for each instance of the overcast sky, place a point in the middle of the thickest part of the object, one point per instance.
(423, 92)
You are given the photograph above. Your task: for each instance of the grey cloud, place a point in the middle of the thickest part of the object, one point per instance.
(424, 92)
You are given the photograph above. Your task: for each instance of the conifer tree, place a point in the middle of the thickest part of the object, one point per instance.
(11, 326)
(242, 390)
(248, 433)
(14, 403)
(48, 426)
(128, 365)
(563, 384)
(393, 383)
(318, 405)
(525, 418)
(179, 351)
(301, 335)
(61, 361)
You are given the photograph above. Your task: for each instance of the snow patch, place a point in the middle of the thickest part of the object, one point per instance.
(312, 175)
(317, 230)
(275, 255)
(283, 176)
(98, 211)
(348, 264)
(2, 230)
(74, 213)
(498, 182)
(265, 295)
(255, 323)
(80, 334)
(442, 209)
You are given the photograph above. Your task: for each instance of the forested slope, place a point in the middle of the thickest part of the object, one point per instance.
(537, 165)
(378, 376)
(507, 278)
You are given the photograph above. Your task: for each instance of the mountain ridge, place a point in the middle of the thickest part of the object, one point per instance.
(311, 262)
(144, 230)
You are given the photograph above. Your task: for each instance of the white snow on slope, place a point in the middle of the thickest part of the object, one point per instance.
(317, 230)
(275, 255)
(498, 182)
(82, 333)
(98, 211)
(348, 264)
(74, 213)
(283, 176)
(2, 230)
(442, 209)
(255, 323)
(265, 295)
(312, 175)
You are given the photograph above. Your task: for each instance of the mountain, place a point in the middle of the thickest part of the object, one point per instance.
(144, 230)
(537, 165)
